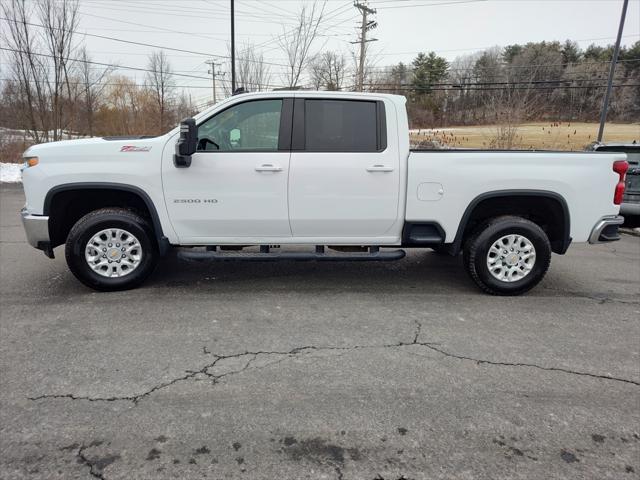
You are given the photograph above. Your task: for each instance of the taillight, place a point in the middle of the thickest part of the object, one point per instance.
(620, 167)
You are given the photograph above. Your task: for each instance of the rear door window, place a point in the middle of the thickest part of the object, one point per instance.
(341, 126)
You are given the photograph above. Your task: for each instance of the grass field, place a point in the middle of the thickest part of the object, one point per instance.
(541, 135)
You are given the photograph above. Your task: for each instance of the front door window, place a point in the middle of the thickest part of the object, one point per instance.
(246, 127)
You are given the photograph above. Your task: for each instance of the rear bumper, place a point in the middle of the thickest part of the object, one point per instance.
(36, 228)
(606, 230)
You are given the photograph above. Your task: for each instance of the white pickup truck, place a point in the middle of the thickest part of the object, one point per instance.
(259, 173)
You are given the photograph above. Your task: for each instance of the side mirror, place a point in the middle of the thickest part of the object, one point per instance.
(187, 143)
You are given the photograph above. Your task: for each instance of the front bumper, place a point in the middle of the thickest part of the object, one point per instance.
(37, 229)
(606, 230)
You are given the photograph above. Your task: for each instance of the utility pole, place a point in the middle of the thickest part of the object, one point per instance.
(366, 25)
(612, 69)
(213, 73)
(233, 50)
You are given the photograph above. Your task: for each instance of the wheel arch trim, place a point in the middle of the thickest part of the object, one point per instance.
(566, 238)
(163, 242)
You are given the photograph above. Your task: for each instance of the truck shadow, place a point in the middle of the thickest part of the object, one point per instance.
(419, 270)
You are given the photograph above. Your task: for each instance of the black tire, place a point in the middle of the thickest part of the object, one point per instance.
(478, 245)
(107, 218)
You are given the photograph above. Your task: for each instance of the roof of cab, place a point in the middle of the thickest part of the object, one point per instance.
(396, 99)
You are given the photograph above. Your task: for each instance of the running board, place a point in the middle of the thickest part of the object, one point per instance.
(265, 256)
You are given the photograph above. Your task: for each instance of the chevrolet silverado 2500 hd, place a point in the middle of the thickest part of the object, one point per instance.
(330, 171)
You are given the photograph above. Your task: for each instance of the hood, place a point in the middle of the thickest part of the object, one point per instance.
(97, 146)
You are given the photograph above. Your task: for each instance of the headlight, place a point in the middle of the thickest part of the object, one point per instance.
(30, 161)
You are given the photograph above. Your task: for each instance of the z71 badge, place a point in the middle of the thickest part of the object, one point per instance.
(134, 148)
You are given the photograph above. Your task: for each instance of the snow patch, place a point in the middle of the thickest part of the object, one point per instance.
(10, 173)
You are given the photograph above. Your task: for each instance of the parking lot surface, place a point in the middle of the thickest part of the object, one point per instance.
(311, 370)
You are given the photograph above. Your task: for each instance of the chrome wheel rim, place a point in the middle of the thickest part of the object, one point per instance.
(511, 258)
(113, 252)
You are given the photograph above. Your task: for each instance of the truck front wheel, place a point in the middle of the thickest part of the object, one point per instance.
(507, 256)
(111, 249)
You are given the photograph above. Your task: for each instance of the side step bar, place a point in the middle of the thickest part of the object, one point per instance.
(375, 255)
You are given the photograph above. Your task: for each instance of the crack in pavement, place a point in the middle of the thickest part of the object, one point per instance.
(529, 365)
(216, 377)
(89, 463)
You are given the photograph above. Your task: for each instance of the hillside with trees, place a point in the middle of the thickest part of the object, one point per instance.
(532, 82)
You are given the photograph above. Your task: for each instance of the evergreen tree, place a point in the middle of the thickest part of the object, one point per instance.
(570, 52)
(428, 70)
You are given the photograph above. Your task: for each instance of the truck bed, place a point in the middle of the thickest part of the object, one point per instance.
(442, 184)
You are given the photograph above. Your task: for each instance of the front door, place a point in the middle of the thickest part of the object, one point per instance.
(236, 186)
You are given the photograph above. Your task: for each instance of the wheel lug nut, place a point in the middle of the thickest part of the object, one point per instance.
(104, 249)
(111, 245)
(122, 249)
(117, 244)
(123, 255)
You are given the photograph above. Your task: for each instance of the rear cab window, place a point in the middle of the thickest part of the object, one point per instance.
(332, 125)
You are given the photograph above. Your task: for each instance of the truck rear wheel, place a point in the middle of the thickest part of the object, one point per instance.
(507, 256)
(111, 249)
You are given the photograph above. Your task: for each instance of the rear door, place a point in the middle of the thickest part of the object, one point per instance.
(343, 180)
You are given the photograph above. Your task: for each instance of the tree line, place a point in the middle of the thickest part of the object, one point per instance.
(535, 81)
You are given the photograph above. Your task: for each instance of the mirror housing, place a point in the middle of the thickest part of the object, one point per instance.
(187, 143)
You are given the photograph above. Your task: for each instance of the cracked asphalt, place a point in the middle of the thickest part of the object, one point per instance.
(300, 370)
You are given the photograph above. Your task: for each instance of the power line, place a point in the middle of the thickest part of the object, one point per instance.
(509, 66)
(111, 65)
(204, 54)
(491, 46)
(431, 4)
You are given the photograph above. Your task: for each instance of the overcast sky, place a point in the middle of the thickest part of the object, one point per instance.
(406, 27)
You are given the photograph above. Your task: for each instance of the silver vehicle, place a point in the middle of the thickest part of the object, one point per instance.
(630, 206)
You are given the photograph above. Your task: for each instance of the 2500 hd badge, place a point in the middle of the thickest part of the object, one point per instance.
(195, 200)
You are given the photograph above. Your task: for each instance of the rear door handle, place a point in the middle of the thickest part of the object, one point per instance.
(379, 168)
(268, 167)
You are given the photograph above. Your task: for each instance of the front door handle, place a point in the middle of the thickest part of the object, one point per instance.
(268, 167)
(379, 168)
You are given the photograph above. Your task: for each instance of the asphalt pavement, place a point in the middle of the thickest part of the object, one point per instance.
(399, 370)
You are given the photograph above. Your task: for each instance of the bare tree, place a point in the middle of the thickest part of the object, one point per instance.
(91, 83)
(507, 107)
(251, 71)
(41, 62)
(461, 76)
(60, 20)
(29, 68)
(296, 43)
(162, 85)
(328, 71)
(371, 77)
(184, 106)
